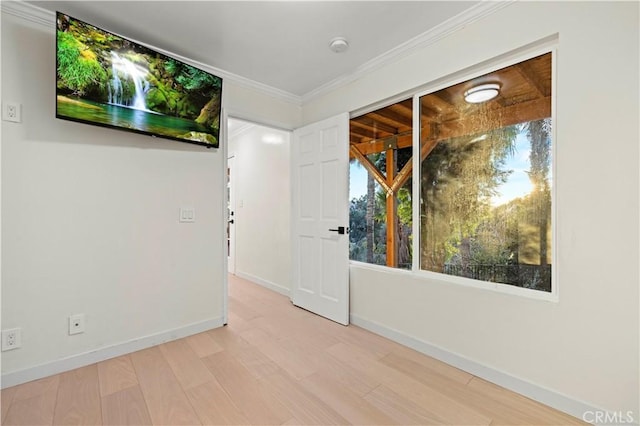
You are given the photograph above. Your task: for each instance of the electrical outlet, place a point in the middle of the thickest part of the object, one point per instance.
(11, 112)
(76, 324)
(11, 339)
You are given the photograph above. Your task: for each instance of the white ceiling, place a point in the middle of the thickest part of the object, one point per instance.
(281, 44)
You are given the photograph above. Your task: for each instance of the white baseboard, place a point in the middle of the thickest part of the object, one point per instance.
(538, 393)
(264, 283)
(80, 360)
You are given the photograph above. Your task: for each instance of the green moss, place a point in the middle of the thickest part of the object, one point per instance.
(77, 71)
(156, 100)
(200, 137)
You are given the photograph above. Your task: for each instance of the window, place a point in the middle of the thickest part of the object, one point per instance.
(485, 177)
(484, 192)
(484, 181)
(380, 217)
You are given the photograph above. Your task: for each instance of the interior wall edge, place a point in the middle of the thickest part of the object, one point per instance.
(264, 283)
(72, 362)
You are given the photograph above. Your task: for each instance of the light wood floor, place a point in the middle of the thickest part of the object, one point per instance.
(273, 364)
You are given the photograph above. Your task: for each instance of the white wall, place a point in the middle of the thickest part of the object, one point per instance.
(90, 222)
(263, 201)
(585, 346)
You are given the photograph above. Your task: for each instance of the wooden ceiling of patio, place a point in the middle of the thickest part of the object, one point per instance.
(525, 95)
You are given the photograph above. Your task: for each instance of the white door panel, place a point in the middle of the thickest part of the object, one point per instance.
(320, 161)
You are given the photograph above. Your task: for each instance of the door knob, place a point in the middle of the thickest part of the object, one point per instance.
(340, 230)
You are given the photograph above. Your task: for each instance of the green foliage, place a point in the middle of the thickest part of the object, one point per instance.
(358, 229)
(189, 92)
(368, 221)
(77, 72)
(463, 233)
(191, 78)
(157, 100)
(171, 67)
(364, 248)
(538, 133)
(459, 178)
(405, 207)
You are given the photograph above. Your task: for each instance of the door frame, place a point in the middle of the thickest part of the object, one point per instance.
(231, 114)
(231, 214)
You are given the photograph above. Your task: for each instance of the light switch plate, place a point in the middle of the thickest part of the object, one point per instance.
(187, 214)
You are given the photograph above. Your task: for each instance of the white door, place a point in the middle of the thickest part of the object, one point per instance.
(320, 217)
(231, 217)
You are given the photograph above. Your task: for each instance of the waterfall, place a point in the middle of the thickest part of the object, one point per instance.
(128, 70)
(115, 87)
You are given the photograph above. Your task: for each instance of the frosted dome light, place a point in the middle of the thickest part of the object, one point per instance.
(482, 93)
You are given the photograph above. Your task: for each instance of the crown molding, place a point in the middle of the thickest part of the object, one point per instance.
(440, 31)
(46, 18)
(28, 12)
(484, 8)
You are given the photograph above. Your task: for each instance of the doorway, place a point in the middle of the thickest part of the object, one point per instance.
(259, 196)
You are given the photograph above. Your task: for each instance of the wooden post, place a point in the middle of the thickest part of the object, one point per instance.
(392, 232)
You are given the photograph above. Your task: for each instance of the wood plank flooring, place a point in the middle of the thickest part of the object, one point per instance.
(273, 364)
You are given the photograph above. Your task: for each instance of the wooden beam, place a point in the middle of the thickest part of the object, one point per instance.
(403, 140)
(369, 123)
(362, 132)
(354, 139)
(428, 112)
(445, 96)
(434, 102)
(370, 167)
(485, 121)
(403, 176)
(532, 78)
(426, 149)
(478, 122)
(392, 232)
(405, 107)
(393, 116)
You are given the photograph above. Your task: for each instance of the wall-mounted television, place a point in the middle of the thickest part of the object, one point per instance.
(107, 80)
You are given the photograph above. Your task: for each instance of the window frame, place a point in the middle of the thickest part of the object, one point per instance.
(547, 45)
(447, 82)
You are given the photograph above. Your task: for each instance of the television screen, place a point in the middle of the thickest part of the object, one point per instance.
(107, 80)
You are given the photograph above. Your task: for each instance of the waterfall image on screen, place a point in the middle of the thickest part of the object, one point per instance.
(107, 80)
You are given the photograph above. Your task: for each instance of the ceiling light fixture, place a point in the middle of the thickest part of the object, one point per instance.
(482, 93)
(338, 44)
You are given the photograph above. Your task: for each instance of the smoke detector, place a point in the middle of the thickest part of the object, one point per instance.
(338, 44)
